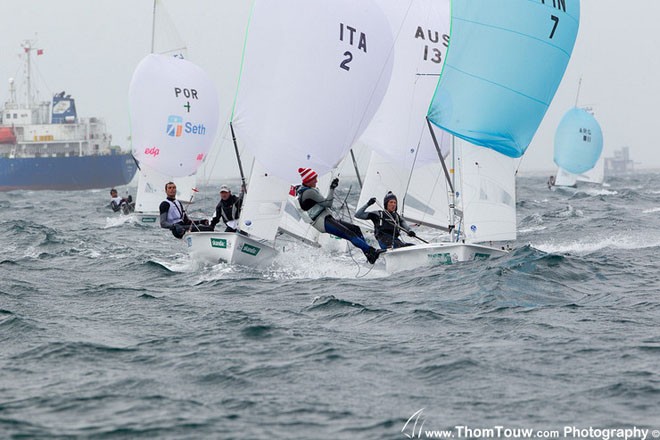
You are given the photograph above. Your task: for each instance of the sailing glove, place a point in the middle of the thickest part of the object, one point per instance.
(335, 183)
(412, 234)
(371, 201)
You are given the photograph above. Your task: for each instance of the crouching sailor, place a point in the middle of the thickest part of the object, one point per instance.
(318, 209)
(174, 217)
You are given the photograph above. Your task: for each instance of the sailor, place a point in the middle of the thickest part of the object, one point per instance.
(318, 209)
(125, 204)
(174, 217)
(228, 209)
(388, 224)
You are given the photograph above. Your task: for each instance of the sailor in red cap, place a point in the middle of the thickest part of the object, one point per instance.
(319, 210)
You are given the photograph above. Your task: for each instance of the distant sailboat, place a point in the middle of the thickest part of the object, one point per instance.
(578, 149)
(504, 65)
(309, 86)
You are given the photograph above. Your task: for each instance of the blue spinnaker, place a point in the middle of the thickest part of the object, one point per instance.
(578, 141)
(505, 62)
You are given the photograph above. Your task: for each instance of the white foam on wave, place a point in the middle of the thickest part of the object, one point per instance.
(599, 192)
(113, 222)
(650, 211)
(589, 245)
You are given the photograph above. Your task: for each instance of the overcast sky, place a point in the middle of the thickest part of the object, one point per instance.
(92, 47)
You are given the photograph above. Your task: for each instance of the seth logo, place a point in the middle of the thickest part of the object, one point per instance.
(413, 431)
(174, 126)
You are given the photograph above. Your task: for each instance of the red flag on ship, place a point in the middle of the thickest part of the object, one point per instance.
(40, 51)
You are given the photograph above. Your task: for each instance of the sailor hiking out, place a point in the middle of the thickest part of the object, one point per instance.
(319, 210)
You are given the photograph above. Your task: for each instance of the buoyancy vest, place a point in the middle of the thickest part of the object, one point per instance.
(388, 224)
(175, 213)
(308, 205)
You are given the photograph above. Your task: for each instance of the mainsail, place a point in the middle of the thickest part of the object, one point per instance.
(404, 158)
(174, 114)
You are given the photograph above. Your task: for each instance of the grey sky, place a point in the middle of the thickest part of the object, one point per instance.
(91, 48)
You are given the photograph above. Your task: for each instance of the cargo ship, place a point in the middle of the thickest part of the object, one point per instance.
(45, 145)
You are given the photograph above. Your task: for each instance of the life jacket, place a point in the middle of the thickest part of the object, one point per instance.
(311, 207)
(175, 213)
(229, 210)
(388, 224)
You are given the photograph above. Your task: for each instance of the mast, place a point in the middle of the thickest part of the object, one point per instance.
(577, 95)
(357, 170)
(450, 179)
(238, 158)
(153, 26)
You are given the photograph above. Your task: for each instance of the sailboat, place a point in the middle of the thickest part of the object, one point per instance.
(505, 62)
(578, 149)
(165, 40)
(310, 83)
(174, 115)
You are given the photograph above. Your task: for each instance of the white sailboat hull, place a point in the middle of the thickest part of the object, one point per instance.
(147, 218)
(229, 247)
(436, 254)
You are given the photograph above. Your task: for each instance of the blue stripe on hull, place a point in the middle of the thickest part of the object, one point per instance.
(66, 173)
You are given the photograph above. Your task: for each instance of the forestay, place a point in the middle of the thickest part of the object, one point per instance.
(174, 114)
(503, 68)
(314, 73)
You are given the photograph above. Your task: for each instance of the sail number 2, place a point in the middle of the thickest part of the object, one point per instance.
(557, 4)
(354, 38)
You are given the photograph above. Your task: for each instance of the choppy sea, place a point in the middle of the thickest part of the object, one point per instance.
(109, 330)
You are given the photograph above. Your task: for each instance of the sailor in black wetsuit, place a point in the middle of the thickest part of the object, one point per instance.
(388, 224)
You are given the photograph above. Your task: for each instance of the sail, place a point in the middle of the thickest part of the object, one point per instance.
(174, 114)
(487, 195)
(578, 141)
(313, 75)
(422, 192)
(165, 38)
(502, 70)
(263, 204)
(398, 131)
(151, 189)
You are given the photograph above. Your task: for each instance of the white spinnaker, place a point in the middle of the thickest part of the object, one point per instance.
(263, 204)
(151, 189)
(314, 73)
(486, 187)
(398, 131)
(174, 114)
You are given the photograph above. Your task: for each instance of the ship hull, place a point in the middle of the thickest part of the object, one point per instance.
(66, 173)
